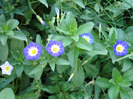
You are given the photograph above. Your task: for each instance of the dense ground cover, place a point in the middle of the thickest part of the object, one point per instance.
(66, 49)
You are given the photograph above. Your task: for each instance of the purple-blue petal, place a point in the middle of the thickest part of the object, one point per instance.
(59, 43)
(89, 35)
(26, 49)
(43, 23)
(124, 44)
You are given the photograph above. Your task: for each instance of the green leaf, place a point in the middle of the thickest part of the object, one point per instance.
(60, 96)
(129, 29)
(78, 77)
(127, 4)
(10, 33)
(118, 34)
(129, 36)
(96, 7)
(2, 80)
(17, 45)
(2, 19)
(85, 28)
(116, 75)
(83, 44)
(113, 91)
(112, 55)
(112, 31)
(105, 35)
(124, 94)
(12, 23)
(3, 39)
(26, 96)
(61, 61)
(19, 70)
(3, 52)
(75, 37)
(28, 14)
(62, 68)
(98, 49)
(38, 68)
(19, 35)
(7, 93)
(128, 75)
(79, 2)
(63, 28)
(68, 26)
(73, 55)
(130, 94)
(2, 85)
(1, 30)
(126, 65)
(52, 65)
(103, 82)
(71, 22)
(37, 71)
(117, 10)
(38, 39)
(66, 40)
(97, 92)
(44, 2)
(24, 82)
(124, 83)
(52, 97)
(91, 70)
(107, 68)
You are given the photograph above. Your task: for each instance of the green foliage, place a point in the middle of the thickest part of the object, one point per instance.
(4, 50)
(44, 2)
(84, 70)
(7, 93)
(103, 82)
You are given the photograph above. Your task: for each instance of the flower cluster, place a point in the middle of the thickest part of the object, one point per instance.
(6, 68)
(33, 50)
(88, 37)
(120, 48)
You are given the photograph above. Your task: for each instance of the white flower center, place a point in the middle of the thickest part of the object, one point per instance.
(119, 48)
(86, 38)
(32, 51)
(55, 48)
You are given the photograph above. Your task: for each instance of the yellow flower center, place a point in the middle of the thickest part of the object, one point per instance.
(7, 68)
(85, 39)
(118, 48)
(34, 51)
(54, 49)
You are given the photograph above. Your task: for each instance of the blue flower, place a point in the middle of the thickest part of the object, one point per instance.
(55, 48)
(18, 29)
(71, 76)
(120, 48)
(41, 21)
(88, 37)
(57, 10)
(32, 51)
